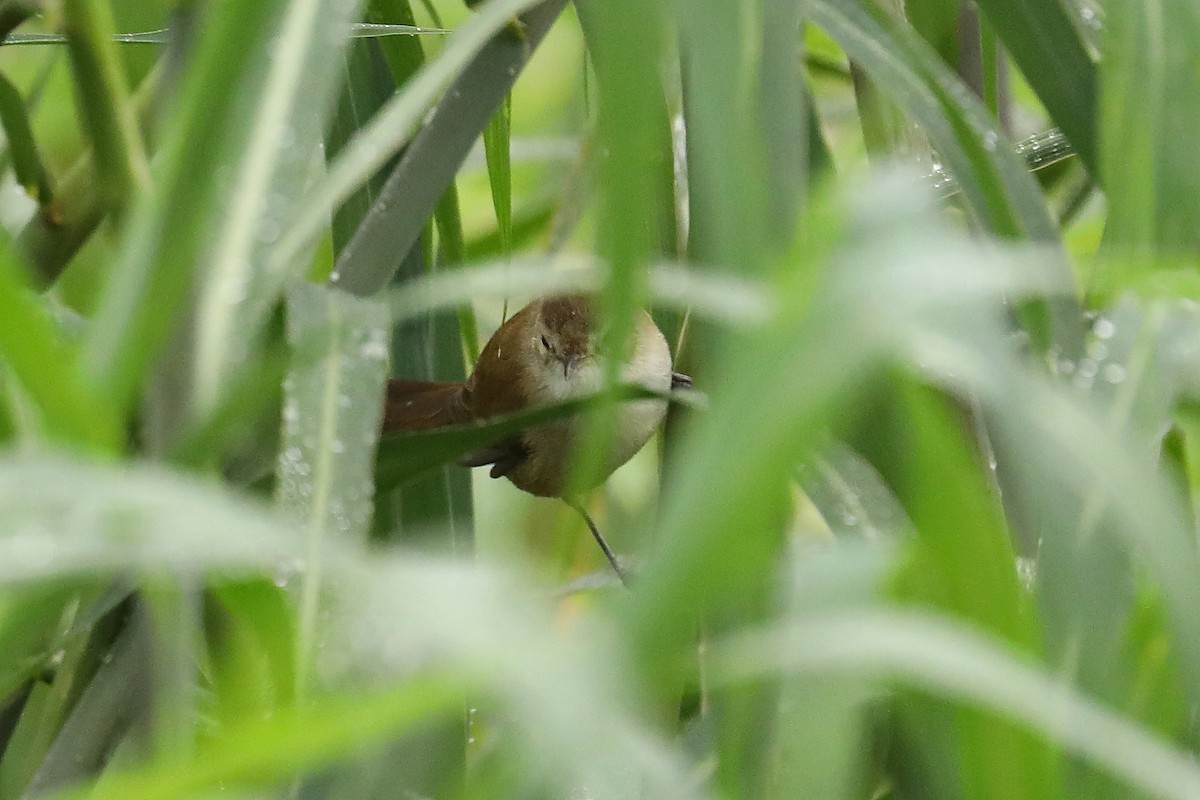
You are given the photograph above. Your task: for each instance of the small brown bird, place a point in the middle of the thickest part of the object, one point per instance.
(551, 350)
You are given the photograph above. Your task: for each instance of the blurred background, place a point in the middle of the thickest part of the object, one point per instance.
(925, 527)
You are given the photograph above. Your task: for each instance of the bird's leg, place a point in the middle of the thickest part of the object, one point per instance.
(608, 551)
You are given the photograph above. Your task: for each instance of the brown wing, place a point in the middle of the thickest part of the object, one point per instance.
(421, 405)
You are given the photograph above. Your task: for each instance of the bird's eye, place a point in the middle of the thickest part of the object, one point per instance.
(545, 343)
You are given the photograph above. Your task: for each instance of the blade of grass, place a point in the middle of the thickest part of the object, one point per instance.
(998, 189)
(27, 164)
(115, 698)
(1050, 51)
(474, 71)
(105, 103)
(50, 241)
(160, 251)
(271, 164)
(1148, 166)
(331, 417)
(69, 517)
(949, 660)
(287, 742)
(964, 564)
(40, 357)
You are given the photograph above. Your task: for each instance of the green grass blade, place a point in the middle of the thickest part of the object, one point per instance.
(1048, 47)
(435, 154)
(998, 189)
(116, 697)
(70, 517)
(275, 748)
(45, 364)
(963, 564)
(497, 149)
(105, 103)
(271, 163)
(27, 164)
(818, 750)
(949, 660)
(50, 241)
(331, 417)
(160, 252)
(1148, 167)
(397, 123)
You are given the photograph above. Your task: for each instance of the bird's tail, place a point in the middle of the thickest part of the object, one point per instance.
(421, 405)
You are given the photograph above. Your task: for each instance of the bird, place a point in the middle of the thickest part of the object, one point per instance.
(553, 349)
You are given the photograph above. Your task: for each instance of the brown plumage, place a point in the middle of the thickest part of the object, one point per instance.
(548, 351)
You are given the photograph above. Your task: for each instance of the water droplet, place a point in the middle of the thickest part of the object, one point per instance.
(990, 140)
(1097, 351)
(1104, 328)
(1114, 373)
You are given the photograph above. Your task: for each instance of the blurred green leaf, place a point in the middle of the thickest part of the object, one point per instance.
(67, 517)
(998, 188)
(259, 751)
(819, 747)
(45, 364)
(1149, 169)
(964, 561)
(274, 161)
(117, 696)
(167, 231)
(331, 418)
(949, 660)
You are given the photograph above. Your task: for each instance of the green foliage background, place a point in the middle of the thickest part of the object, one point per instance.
(926, 529)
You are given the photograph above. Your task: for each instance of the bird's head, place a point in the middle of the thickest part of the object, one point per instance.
(566, 339)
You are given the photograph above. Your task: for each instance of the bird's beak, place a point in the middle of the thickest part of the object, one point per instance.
(569, 362)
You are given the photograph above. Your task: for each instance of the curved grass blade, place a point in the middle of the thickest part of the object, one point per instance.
(475, 62)
(271, 165)
(952, 661)
(1050, 51)
(997, 186)
(722, 297)
(169, 230)
(998, 189)
(288, 741)
(68, 518)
